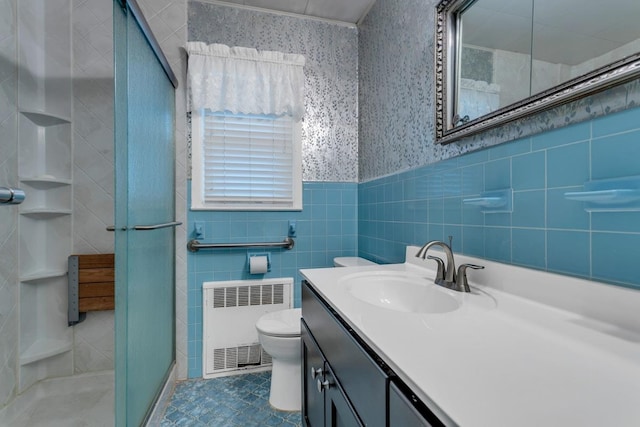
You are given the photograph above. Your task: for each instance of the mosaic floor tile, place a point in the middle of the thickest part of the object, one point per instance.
(236, 401)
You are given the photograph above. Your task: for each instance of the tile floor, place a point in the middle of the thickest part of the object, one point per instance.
(235, 401)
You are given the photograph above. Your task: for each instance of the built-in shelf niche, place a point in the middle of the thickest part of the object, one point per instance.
(45, 333)
(45, 170)
(46, 195)
(44, 242)
(45, 151)
(44, 35)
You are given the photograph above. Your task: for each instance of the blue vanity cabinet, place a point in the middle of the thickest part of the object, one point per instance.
(344, 382)
(403, 409)
(351, 378)
(323, 400)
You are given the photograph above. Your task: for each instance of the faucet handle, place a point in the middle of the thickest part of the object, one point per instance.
(440, 272)
(462, 282)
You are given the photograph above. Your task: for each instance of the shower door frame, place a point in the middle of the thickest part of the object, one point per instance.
(142, 229)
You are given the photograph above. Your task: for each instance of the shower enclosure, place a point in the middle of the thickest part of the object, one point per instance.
(144, 216)
(46, 95)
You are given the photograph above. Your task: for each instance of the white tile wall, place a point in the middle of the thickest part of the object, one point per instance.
(93, 165)
(8, 215)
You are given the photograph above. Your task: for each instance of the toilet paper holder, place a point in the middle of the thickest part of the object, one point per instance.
(258, 254)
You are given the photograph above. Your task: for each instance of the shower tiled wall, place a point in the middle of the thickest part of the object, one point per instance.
(325, 228)
(545, 230)
(8, 215)
(93, 165)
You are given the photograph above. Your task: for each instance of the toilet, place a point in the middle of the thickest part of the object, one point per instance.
(279, 335)
(351, 261)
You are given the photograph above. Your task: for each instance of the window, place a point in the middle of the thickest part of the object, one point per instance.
(246, 162)
(247, 106)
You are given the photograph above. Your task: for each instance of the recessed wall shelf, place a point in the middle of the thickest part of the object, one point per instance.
(45, 120)
(42, 275)
(495, 201)
(44, 349)
(609, 195)
(45, 212)
(45, 168)
(45, 180)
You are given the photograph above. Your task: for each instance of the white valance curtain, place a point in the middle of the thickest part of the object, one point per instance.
(244, 80)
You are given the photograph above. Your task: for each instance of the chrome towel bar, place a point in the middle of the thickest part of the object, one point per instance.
(11, 196)
(195, 246)
(148, 227)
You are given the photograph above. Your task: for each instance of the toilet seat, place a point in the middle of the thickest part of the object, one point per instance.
(282, 323)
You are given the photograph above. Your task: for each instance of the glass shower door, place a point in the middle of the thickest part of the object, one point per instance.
(144, 214)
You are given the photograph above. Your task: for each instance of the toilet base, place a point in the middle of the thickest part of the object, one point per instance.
(286, 386)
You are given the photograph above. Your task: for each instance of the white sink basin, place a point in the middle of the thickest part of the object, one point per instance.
(398, 292)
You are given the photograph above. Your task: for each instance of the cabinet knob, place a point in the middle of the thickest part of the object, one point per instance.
(315, 372)
(323, 385)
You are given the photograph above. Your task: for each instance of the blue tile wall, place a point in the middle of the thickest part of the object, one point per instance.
(327, 227)
(544, 230)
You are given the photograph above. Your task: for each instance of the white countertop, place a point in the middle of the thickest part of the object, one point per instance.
(540, 350)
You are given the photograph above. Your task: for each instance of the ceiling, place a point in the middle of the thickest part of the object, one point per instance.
(349, 11)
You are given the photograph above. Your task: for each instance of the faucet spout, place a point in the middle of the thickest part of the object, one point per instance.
(450, 269)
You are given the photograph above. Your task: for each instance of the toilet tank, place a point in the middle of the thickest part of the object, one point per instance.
(351, 261)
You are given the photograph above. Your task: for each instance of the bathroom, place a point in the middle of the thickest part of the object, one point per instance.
(374, 181)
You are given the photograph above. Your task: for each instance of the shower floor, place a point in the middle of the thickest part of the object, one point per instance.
(78, 401)
(235, 401)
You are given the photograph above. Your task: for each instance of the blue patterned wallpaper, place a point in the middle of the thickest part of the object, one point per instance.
(397, 111)
(330, 126)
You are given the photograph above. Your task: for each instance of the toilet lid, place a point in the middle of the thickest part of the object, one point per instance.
(282, 323)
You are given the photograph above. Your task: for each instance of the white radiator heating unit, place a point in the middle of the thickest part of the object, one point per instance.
(230, 312)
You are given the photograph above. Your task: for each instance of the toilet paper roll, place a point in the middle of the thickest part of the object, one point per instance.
(258, 264)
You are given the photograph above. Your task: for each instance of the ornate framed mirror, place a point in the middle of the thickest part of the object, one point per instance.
(499, 61)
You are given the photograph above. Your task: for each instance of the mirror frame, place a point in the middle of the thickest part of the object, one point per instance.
(447, 40)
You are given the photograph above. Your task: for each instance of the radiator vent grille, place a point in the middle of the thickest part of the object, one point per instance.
(239, 357)
(231, 310)
(243, 296)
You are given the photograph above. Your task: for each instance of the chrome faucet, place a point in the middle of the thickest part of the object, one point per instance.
(446, 276)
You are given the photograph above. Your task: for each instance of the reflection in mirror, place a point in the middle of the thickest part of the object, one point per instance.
(501, 60)
(495, 64)
(572, 38)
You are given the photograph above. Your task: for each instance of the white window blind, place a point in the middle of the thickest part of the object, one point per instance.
(247, 162)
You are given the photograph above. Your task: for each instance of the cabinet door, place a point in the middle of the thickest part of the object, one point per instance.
(403, 410)
(338, 410)
(360, 376)
(312, 370)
